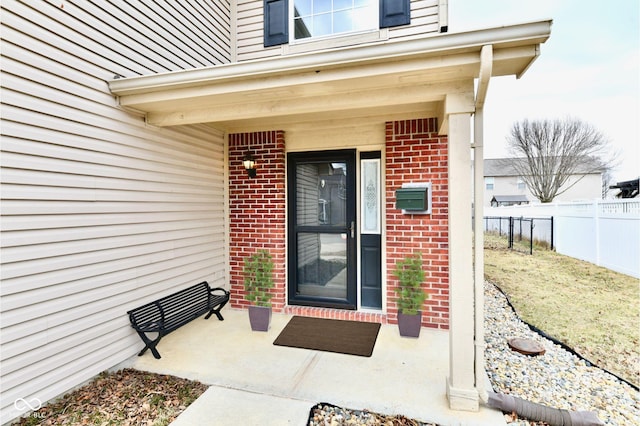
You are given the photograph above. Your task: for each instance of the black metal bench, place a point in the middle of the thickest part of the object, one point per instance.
(171, 312)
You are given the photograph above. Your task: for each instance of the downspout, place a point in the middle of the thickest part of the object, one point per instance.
(505, 403)
(486, 67)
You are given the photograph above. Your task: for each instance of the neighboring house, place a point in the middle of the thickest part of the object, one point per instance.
(628, 188)
(124, 127)
(509, 200)
(502, 182)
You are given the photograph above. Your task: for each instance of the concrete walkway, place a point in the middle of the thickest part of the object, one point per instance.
(254, 382)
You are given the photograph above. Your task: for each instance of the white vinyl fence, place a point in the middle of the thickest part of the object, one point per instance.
(603, 232)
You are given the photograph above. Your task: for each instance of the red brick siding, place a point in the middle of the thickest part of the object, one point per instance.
(257, 209)
(416, 153)
(341, 314)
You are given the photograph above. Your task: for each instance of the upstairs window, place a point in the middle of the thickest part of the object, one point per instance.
(321, 18)
(521, 183)
(488, 183)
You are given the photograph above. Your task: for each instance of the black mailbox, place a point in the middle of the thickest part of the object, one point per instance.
(412, 199)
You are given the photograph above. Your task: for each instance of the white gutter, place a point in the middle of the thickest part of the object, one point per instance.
(507, 36)
(486, 66)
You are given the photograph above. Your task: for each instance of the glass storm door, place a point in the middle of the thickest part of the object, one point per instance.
(321, 229)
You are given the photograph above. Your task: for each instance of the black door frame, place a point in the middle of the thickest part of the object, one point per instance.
(347, 156)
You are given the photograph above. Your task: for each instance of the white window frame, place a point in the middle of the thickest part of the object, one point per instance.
(374, 32)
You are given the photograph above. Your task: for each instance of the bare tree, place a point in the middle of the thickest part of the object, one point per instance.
(607, 181)
(551, 151)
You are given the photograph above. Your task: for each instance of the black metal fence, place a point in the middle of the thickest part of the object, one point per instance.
(522, 232)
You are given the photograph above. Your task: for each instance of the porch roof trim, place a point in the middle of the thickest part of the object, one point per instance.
(409, 75)
(501, 37)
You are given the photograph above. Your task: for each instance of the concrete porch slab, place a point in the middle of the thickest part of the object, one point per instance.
(234, 407)
(254, 382)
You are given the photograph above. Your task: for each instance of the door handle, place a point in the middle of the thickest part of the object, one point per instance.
(353, 229)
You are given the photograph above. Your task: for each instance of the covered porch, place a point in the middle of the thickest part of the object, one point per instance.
(253, 380)
(349, 98)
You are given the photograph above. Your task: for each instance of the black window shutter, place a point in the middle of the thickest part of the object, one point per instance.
(394, 13)
(276, 22)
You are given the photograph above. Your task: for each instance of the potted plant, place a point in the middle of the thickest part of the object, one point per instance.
(258, 281)
(410, 293)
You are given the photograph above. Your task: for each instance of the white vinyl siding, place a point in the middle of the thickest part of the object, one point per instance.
(100, 211)
(250, 32)
(577, 188)
(425, 20)
(148, 37)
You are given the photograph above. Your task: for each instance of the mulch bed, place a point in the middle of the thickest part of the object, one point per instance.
(125, 397)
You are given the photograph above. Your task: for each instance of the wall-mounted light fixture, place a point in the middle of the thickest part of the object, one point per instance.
(250, 164)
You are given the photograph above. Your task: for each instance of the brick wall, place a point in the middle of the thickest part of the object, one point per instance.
(257, 209)
(416, 153)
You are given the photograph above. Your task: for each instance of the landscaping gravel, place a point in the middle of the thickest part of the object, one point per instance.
(329, 415)
(558, 379)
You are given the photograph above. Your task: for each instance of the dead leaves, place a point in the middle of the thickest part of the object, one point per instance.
(127, 397)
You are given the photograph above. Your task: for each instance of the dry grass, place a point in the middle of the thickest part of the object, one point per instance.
(592, 309)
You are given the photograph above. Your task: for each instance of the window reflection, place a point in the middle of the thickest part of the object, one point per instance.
(322, 265)
(321, 194)
(316, 18)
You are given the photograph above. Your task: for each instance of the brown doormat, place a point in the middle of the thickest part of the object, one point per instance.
(320, 334)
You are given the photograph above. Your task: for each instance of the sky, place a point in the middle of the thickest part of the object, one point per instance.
(588, 69)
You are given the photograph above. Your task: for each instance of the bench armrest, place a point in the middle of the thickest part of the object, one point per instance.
(226, 292)
(149, 326)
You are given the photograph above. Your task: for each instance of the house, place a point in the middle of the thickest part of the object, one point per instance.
(502, 182)
(124, 130)
(628, 188)
(509, 200)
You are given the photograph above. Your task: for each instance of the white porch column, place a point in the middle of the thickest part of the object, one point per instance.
(461, 390)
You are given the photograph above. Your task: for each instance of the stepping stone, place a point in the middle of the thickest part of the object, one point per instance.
(526, 346)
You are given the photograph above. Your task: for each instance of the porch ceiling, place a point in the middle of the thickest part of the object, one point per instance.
(403, 79)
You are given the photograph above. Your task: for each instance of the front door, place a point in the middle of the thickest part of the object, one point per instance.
(321, 229)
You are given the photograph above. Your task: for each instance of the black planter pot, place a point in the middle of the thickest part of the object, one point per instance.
(260, 318)
(409, 325)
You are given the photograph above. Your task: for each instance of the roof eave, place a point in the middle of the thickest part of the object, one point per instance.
(532, 33)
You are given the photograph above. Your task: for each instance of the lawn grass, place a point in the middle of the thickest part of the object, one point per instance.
(592, 309)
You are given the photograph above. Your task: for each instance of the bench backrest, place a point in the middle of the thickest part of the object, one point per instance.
(183, 306)
(175, 309)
